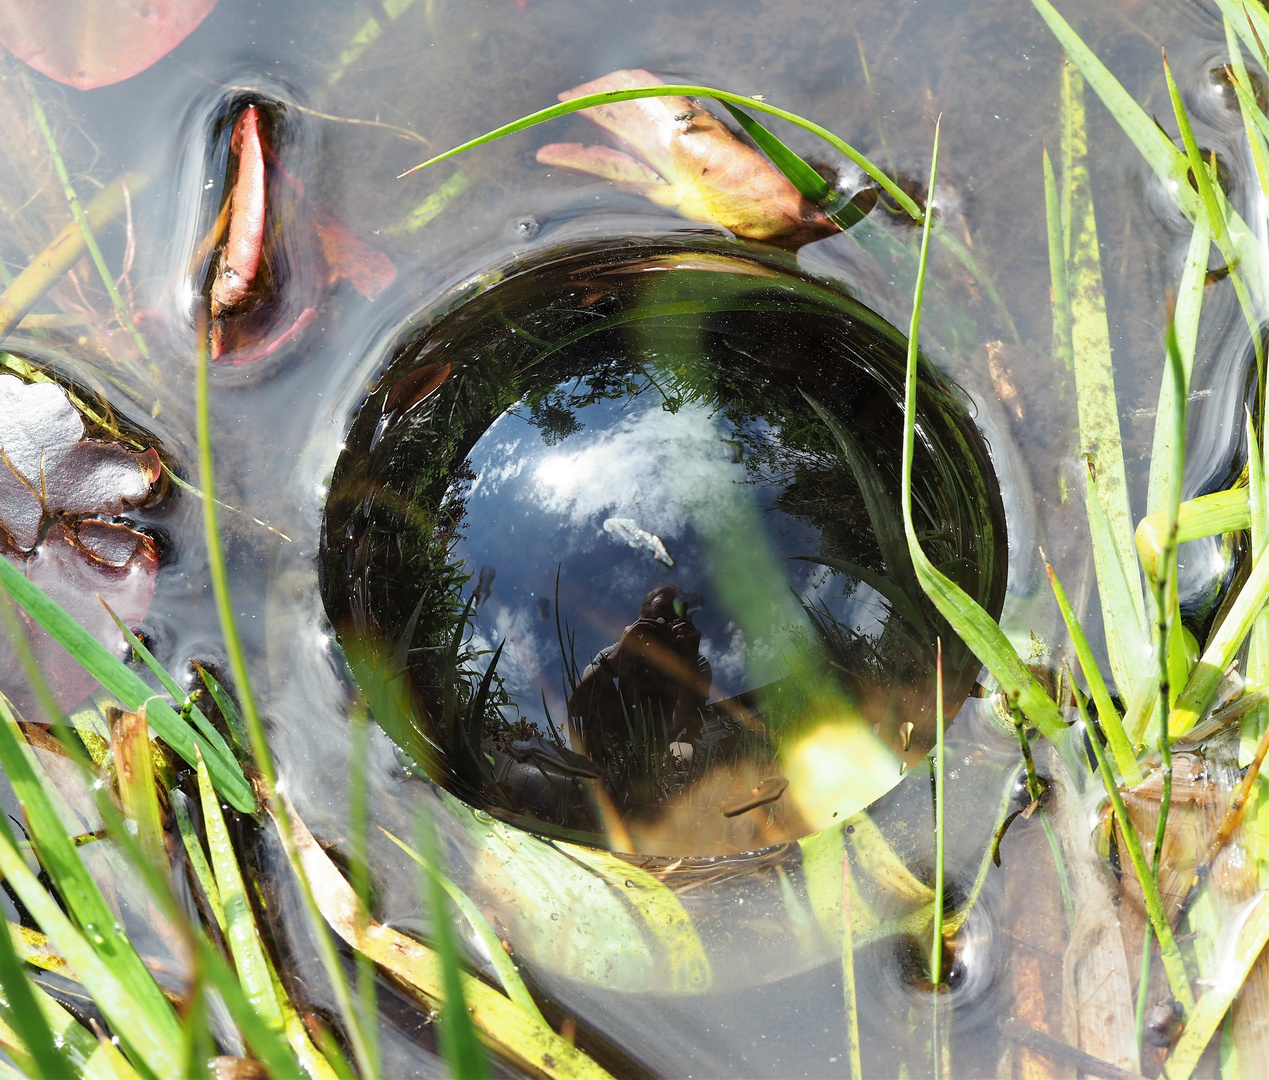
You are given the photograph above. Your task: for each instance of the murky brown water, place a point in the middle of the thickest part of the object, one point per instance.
(753, 987)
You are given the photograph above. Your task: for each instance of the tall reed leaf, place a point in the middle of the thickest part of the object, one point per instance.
(1109, 515)
(975, 627)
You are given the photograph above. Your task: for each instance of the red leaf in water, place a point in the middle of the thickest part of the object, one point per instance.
(88, 43)
(367, 270)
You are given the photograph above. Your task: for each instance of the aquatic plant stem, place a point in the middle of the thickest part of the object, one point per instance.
(936, 945)
(1107, 715)
(251, 715)
(77, 211)
(848, 973)
(1173, 964)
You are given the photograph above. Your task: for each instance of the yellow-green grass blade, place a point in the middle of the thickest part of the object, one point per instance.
(197, 858)
(128, 687)
(60, 860)
(587, 101)
(1173, 964)
(661, 911)
(1221, 650)
(1126, 640)
(165, 680)
(46, 1057)
(85, 1056)
(1208, 515)
(459, 1046)
(1255, 123)
(503, 965)
(978, 630)
(240, 926)
(1189, 301)
(134, 770)
(1107, 715)
(1062, 349)
(1167, 162)
(1215, 206)
(251, 715)
(1257, 671)
(1109, 514)
(150, 1030)
(1249, 22)
(1201, 1024)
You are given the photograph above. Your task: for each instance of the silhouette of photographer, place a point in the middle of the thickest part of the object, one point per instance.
(645, 693)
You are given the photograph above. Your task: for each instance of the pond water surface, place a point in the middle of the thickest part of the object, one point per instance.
(749, 983)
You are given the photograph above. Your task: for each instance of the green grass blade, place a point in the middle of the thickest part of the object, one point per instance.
(165, 680)
(1062, 348)
(1208, 515)
(240, 926)
(251, 715)
(810, 184)
(1189, 302)
(228, 709)
(151, 1030)
(1215, 206)
(1250, 23)
(1202, 1023)
(586, 101)
(462, 1050)
(978, 630)
(60, 860)
(841, 211)
(940, 821)
(1126, 640)
(1161, 155)
(28, 1020)
(1257, 670)
(1255, 123)
(1221, 650)
(508, 975)
(1107, 715)
(129, 688)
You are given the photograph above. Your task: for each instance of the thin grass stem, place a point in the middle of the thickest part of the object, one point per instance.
(610, 97)
(77, 211)
(936, 945)
(251, 715)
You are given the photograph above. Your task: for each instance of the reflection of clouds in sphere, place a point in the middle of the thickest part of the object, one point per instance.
(661, 469)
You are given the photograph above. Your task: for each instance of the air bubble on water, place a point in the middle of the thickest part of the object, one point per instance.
(528, 226)
(629, 884)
